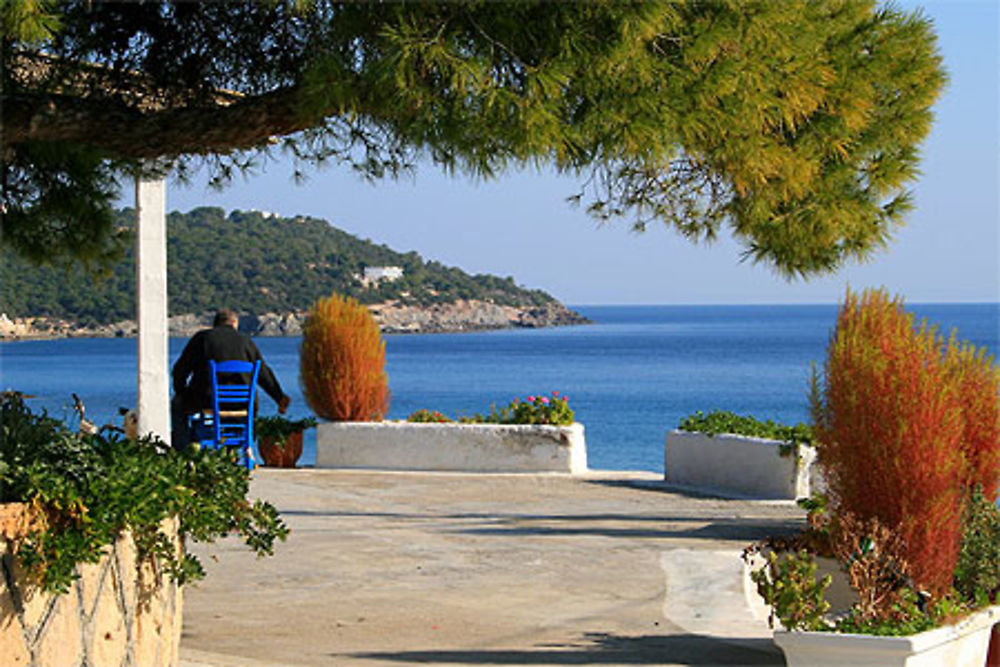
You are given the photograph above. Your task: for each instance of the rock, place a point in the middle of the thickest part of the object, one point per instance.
(392, 317)
(185, 326)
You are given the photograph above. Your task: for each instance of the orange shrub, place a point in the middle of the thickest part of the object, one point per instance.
(342, 362)
(889, 429)
(978, 378)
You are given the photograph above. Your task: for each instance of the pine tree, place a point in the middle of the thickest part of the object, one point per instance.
(793, 123)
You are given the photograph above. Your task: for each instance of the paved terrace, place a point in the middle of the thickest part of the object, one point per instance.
(423, 568)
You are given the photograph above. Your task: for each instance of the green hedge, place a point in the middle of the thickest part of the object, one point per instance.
(718, 422)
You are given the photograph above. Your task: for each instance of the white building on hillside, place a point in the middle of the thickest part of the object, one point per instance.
(376, 274)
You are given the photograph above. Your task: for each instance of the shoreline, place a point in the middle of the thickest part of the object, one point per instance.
(462, 316)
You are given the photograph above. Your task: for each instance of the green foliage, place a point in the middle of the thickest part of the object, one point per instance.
(85, 490)
(29, 21)
(428, 417)
(906, 615)
(551, 410)
(788, 584)
(720, 422)
(277, 428)
(796, 124)
(977, 575)
(257, 264)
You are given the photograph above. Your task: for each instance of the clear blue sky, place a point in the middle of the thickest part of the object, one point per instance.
(520, 225)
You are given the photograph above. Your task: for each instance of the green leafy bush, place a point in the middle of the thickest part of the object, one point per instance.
(719, 422)
(977, 575)
(550, 410)
(85, 490)
(788, 584)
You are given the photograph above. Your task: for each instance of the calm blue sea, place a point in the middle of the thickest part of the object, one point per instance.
(630, 377)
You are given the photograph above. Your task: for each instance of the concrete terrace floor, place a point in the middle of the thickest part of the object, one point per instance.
(388, 568)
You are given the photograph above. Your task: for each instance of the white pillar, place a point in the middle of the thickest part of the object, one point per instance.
(151, 302)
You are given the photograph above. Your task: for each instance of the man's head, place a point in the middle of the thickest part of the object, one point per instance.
(226, 317)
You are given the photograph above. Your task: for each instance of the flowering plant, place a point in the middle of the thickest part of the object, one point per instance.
(551, 410)
(428, 417)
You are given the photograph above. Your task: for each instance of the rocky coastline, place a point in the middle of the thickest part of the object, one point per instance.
(393, 318)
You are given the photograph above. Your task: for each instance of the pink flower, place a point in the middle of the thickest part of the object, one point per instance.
(545, 400)
(531, 399)
(555, 393)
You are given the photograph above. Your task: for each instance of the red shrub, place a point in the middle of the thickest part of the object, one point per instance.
(342, 362)
(978, 379)
(889, 430)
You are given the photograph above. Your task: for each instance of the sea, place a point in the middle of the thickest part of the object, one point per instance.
(630, 376)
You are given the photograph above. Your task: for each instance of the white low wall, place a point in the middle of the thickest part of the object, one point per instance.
(737, 465)
(451, 447)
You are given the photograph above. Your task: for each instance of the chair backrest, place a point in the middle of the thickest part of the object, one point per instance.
(233, 403)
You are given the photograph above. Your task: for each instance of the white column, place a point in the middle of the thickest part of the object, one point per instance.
(151, 300)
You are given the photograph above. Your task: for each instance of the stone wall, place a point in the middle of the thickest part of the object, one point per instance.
(116, 614)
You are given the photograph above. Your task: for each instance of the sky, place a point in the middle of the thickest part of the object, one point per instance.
(521, 225)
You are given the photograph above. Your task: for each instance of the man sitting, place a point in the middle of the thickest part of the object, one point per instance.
(191, 374)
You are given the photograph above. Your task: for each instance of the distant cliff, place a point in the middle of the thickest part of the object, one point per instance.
(462, 315)
(271, 269)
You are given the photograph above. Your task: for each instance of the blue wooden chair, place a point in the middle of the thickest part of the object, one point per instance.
(230, 422)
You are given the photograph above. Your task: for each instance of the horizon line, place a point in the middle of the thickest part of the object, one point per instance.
(761, 303)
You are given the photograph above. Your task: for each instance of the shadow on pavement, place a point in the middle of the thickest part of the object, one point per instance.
(628, 526)
(743, 530)
(604, 649)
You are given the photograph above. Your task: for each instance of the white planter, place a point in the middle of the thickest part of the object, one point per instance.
(451, 447)
(964, 644)
(736, 465)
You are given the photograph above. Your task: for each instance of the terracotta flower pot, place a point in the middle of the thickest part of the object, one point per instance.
(276, 456)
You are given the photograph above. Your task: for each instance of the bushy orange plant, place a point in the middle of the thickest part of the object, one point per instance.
(342, 362)
(889, 430)
(978, 378)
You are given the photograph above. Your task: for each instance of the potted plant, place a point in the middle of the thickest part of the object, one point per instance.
(907, 428)
(279, 440)
(735, 455)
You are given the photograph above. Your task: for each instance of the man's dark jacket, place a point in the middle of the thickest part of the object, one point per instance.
(220, 343)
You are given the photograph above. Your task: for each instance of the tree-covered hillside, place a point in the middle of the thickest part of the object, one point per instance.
(249, 262)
